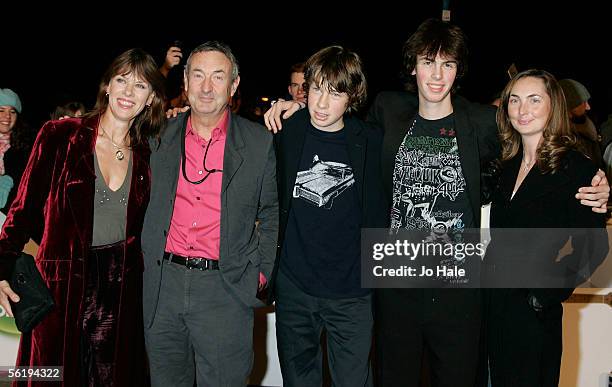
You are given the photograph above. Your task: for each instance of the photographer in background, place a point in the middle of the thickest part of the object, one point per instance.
(71, 109)
(173, 73)
(174, 55)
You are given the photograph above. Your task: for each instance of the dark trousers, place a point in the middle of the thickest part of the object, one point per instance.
(199, 330)
(300, 320)
(446, 321)
(524, 346)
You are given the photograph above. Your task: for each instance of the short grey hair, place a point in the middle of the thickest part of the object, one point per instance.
(213, 45)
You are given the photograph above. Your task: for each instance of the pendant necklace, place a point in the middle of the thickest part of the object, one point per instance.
(119, 155)
(527, 166)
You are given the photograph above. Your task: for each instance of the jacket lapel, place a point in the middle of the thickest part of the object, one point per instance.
(391, 143)
(537, 184)
(232, 160)
(139, 185)
(508, 178)
(170, 150)
(468, 156)
(533, 186)
(292, 144)
(80, 184)
(165, 164)
(356, 150)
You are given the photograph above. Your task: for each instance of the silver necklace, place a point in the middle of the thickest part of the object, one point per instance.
(409, 133)
(119, 155)
(527, 167)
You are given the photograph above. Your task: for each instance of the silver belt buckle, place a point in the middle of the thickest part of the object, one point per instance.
(194, 263)
(189, 263)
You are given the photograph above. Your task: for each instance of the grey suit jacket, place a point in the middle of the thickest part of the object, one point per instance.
(249, 209)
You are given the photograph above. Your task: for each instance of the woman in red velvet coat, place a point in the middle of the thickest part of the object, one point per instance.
(73, 200)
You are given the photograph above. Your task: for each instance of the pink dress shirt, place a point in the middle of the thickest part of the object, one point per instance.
(195, 225)
(196, 219)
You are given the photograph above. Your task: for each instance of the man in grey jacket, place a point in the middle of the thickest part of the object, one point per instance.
(210, 232)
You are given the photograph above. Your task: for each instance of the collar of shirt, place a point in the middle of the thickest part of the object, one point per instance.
(218, 132)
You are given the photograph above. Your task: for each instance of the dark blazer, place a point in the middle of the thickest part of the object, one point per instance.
(248, 195)
(512, 324)
(364, 144)
(476, 137)
(55, 201)
(547, 201)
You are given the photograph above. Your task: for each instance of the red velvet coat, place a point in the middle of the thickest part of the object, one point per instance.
(54, 206)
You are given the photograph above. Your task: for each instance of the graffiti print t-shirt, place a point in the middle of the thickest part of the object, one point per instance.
(429, 189)
(321, 249)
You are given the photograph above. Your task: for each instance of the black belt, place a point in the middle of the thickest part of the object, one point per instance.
(193, 262)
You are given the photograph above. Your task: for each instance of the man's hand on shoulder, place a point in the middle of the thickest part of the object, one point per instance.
(272, 118)
(596, 196)
(173, 112)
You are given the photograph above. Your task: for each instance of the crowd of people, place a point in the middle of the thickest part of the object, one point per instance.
(159, 236)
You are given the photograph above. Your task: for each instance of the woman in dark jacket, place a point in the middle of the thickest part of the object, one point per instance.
(541, 170)
(84, 193)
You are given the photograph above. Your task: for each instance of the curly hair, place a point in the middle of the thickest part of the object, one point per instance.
(22, 135)
(557, 138)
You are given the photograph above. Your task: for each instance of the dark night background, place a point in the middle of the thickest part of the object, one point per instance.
(63, 55)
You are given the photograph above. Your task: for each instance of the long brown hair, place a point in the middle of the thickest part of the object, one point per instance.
(150, 121)
(557, 137)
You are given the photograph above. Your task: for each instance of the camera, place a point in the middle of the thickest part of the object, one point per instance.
(177, 43)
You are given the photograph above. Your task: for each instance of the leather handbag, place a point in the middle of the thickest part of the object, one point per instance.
(35, 299)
